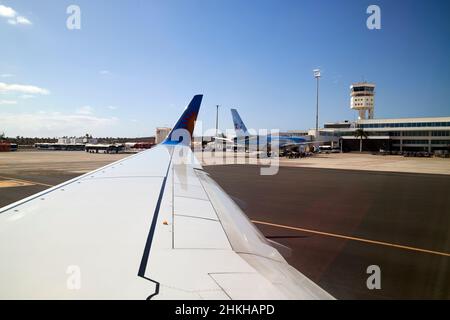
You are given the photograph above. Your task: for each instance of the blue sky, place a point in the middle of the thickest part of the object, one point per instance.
(134, 65)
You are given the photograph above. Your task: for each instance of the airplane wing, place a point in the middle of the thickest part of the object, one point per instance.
(153, 225)
(223, 139)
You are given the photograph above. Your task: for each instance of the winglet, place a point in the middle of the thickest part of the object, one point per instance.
(239, 126)
(186, 123)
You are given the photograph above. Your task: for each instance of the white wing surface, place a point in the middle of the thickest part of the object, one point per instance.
(153, 225)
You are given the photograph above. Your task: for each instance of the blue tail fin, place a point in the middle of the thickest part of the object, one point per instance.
(186, 123)
(239, 126)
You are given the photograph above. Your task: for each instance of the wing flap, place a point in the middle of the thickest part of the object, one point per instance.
(199, 233)
(240, 286)
(192, 207)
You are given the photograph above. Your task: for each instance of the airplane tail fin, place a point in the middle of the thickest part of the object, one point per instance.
(185, 125)
(239, 126)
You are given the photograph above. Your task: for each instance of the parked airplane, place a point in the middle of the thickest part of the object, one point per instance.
(262, 142)
(221, 142)
(178, 235)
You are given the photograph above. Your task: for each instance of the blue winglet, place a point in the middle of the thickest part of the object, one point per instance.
(185, 124)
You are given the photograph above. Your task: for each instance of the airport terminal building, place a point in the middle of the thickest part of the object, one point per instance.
(401, 134)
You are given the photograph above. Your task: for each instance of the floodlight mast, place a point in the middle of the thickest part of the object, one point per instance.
(317, 76)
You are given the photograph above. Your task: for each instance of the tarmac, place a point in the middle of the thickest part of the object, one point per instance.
(340, 222)
(337, 222)
(341, 161)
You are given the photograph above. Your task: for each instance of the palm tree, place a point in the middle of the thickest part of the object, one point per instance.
(360, 133)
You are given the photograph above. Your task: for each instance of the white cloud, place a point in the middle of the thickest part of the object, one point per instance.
(55, 124)
(105, 72)
(8, 102)
(86, 110)
(7, 12)
(20, 88)
(27, 96)
(6, 75)
(12, 16)
(22, 20)
(112, 107)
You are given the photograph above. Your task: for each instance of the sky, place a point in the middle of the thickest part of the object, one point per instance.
(135, 65)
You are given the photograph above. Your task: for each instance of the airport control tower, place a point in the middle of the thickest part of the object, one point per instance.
(362, 99)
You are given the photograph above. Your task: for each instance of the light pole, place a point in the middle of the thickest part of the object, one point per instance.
(217, 120)
(317, 76)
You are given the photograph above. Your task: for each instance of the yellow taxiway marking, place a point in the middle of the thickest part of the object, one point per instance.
(13, 183)
(21, 182)
(327, 234)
